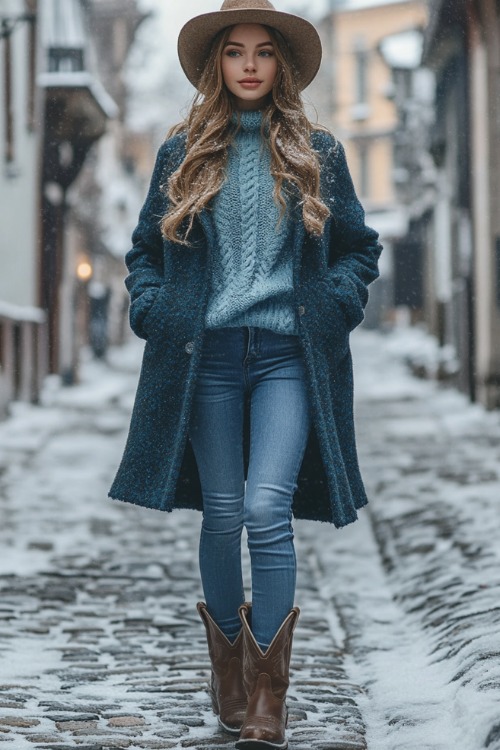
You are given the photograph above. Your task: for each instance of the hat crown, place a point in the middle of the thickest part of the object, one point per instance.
(197, 37)
(250, 4)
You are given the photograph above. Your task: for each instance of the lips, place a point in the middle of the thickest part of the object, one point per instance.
(250, 83)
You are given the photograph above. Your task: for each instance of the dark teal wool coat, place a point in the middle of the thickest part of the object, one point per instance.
(169, 284)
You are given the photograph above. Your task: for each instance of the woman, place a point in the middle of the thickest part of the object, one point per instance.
(249, 268)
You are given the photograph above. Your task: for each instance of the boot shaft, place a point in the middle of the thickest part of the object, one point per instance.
(227, 691)
(275, 662)
(220, 648)
(266, 679)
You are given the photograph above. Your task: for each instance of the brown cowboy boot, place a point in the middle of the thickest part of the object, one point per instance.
(266, 682)
(226, 688)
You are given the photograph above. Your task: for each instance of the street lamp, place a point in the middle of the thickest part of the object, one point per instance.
(84, 271)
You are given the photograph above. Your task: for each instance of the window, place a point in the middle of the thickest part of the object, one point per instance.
(364, 169)
(361, 73)
(360, 109)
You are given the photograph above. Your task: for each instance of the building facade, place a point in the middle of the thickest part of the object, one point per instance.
(361, 112)
(462, 46)
(77, 111)
(483, 24)
(448, 175)
(23, 324)
(54, 109)
(364, 116)
(20, 143)
(105, 199)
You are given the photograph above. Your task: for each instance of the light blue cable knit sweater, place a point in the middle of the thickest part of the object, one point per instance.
(252, 272)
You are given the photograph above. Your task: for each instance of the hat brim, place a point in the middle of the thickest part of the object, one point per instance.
(196, 37)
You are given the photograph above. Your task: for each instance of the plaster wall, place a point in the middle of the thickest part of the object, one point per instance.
(18, 178)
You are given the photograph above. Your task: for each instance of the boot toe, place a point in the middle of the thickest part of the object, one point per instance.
(264, 729)
(232, 720)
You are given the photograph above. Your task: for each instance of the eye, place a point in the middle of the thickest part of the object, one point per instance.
(266, 53)
(232, 53)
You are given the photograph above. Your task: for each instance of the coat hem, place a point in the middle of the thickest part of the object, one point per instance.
(338, 523)
(139, 502)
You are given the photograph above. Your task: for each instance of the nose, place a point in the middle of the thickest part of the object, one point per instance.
(249, 64)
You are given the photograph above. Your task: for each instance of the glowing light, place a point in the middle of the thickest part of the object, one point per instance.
(84, 271)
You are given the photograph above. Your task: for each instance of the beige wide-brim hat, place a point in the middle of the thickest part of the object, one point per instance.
(196, 36)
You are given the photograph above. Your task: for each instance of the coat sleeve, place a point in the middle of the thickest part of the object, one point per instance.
(145, 260)
(354, 248)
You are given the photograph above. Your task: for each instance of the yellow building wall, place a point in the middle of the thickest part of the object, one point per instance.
(380, 190)
(364, 29)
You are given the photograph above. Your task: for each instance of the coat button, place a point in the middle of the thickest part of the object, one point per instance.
(189, 348)
(301, 310)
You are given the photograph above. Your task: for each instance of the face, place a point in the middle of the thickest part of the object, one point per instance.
(249, 65)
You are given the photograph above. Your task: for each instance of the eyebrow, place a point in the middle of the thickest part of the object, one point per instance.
(239, 44)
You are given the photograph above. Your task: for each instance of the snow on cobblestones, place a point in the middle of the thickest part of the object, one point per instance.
(436, 521)
(398, 644)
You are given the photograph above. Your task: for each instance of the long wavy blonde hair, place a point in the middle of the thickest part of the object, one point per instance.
(209, 131)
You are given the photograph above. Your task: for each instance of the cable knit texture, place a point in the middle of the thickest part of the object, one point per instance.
(252, 269)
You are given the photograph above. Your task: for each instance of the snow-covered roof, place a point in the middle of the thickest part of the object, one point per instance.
(22, 313)
(81, 79)
(64, 27)
(403, 50)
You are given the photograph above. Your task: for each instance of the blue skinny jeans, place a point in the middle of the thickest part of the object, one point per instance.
(268, 369)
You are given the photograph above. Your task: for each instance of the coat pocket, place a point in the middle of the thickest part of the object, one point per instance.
(142, 311)
(325, 318)
(347, 298)
(153, 322)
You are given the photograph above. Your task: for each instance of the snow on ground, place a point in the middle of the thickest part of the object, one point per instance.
(397, 647)
(431, 464)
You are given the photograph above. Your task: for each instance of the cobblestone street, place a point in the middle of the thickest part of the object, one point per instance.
(398, 644)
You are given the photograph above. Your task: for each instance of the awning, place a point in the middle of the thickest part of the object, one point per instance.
(82, 102)
(77, 105)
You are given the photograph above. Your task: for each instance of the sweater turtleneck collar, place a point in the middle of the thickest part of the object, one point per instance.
(250, 120)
